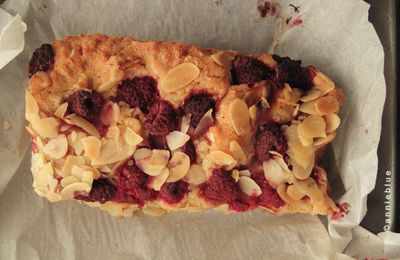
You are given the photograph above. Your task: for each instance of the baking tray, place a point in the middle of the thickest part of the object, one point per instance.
(384, 15)
(383, 202)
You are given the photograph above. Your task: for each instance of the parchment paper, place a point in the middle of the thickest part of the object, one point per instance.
(333, 35)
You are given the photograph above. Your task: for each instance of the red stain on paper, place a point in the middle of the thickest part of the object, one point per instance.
(344, 210)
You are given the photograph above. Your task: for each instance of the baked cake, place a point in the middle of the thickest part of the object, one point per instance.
(127, 126)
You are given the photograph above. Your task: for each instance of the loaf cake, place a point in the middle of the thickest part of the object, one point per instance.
(155, 127)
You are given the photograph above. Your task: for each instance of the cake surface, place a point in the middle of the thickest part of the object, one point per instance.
(128, 126)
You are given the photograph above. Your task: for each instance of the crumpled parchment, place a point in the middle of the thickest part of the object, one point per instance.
(333, 35)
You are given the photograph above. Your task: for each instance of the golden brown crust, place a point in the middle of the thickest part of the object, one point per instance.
(101, 62)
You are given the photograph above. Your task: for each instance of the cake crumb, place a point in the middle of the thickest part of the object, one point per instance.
(6, 125)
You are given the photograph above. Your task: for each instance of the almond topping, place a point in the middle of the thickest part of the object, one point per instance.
(249, 186)
(310, 188)
(237, 152)
(69, 163)
(141, 154)
(244, 173)
(274, 173)
(56, 148)
(111, 153)
(235, 175)
(60, 111)
(325, 140)
(132, 138)
(224, 58)
(84, 124)
(43, 176)
(205, 122)
(323, 83)
(69, 191)
(311, 95)
(301, 172)
(312, 126)
(154, 211)
(221, 158)
(185, 123)
(68, 180)
(31, 105)
(154, 164)
(92, 146)
(179, 77)
(53, 197)
(178, 166)
(196, 175)
(45, 127)
(239, 116)
(176, 139)
(294, 192)
(326, 105)
(160, 179)
(253, 111)
(332, 122)
(308, 108)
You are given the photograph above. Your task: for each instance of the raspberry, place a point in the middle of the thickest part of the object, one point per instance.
(197, 105)
(189, 149)
(42, 59)
(138, 92)
(102, 190)
(161, 119)
(291, 72)
(173, 192)
(220, 188)
(86, 103)
(269, 137)
(248, 70)
(269, 197)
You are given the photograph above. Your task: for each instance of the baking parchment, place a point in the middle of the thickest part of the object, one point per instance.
(333, 35)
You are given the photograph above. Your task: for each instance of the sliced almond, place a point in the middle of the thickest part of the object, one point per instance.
(179, 77)
(142, 153)
(37, 162)
(87, 177)
(45, 127)
(96, 173)
(60, 111)
(41, 191)
(308, 108)
(111, 153)
(301, 172)
(56, 148)
(178, 166)
(325, 140)
(235, 175)
(69, 191)
(205, 122)
(224, 58)
(237, 152)
(323, 83)
(332, 122)
(105, 169)
(31, 106)
(74, 140)
(84, 124)
(154, 211)
(294, 192)
(69, 163)
(132, 138)
(53, 197)
(326, 105)
(310, 188)
(154, 164)
(281, 162)
(185, 123)
(68, 180)
(301, 154)
(92, 146)
(42, 179)
(240, 116)
(312, 126)
(176, 139)
(249, 186)
(253, 112)
(160, 179)
(311, 95)
(274, 173)
(275, 153)
(221, 158)
(110, 113)
(52, 183)
(244, 173)
(196, 175)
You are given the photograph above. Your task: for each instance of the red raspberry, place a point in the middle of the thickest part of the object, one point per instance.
(220, 188)
(269, 137)
(173, 192)
(248, 70)
(87, 104)
(161, 119)
(102, 190)
(269, 197)
(42, 59)
(189, 149)
(197, 105)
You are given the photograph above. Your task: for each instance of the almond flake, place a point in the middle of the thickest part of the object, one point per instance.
(237, 152)
(160, 179)
(282, 163)
(239, 116)
(244, 173)
(323, 83)
(325, 140)
(37, 161)
(178, 166)
(312, 126)
(274, 173)
(69, 163)
(111, 153)
(185, 123)
(68, 180)
(176, 139)
(91, 146)
(221, 158)
(311, 95)
(132, 138)
(308, 108)
(332, 122)
(45, 127)
(42, 179)
(235, 175)
(196, 175)
(56, 148)
(142, 153)
(154, 164)
(301, 172)
(84, 124)
(31, 106)
(87, 177)
(294, 192)
(326, 105)
(310, 188)
(69, 191)
(53, 197)
(249, 186)
(153, 211)
(60, 111)
(224, 58)
(179, 77)
(105, 169)
(253, 111)
(205, 122)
